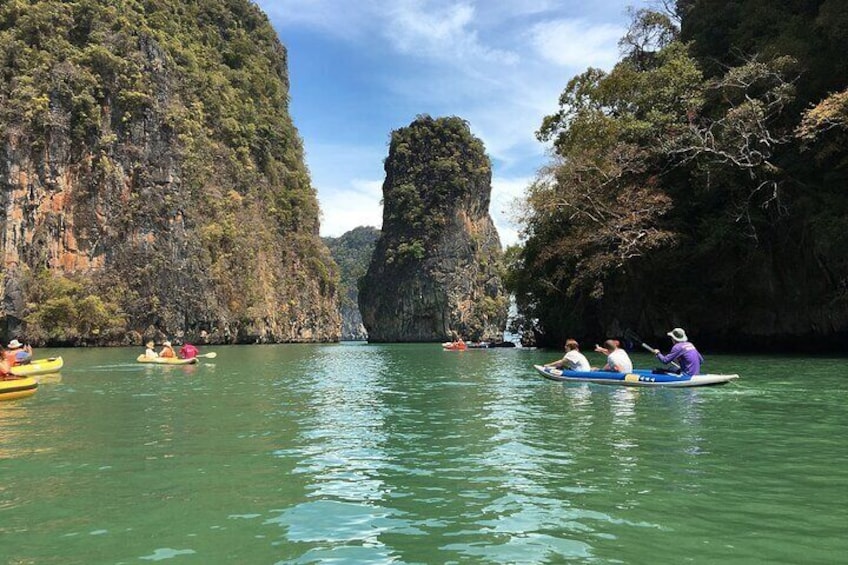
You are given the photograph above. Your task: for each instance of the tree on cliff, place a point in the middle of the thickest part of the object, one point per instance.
(677, 196)
(150, 158)
(436, 267)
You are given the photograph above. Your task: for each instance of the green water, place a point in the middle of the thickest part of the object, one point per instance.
(358, 453)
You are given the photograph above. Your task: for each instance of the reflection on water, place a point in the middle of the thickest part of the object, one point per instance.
(49, 379)
(342, 451)
(16, 424)
(358, 453)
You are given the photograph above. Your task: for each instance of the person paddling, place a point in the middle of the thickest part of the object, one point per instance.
(188, 351)
(457, 342)
(683, 352)
(18, 353)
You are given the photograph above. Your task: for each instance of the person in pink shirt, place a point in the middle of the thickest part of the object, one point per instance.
(188, 351)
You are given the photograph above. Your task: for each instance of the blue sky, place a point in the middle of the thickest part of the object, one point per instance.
(360, 69)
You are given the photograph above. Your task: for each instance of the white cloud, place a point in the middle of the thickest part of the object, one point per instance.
(503, 208)
(445, 33)
(577, 43)
(339, 18)
(345, 208)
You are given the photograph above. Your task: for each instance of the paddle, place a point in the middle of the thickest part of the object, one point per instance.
(210, 355)
(630, 335)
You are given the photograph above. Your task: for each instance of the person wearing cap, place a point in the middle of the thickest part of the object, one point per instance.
(683, 352)
(573, 360)
(17, 353)
(150, 353)
(167, 350)
(617, 358)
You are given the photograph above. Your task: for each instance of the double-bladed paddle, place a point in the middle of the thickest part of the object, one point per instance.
(629, 334)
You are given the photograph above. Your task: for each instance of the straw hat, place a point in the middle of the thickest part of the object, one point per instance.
(15, 344)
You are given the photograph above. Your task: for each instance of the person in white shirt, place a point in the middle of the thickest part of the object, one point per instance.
(573, 360)
(617, 358)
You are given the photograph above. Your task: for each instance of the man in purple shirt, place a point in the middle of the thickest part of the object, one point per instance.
(682, 351)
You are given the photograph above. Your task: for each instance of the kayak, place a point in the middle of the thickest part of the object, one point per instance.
(166, 360)
(18, 388)
(38, 367)
(452, 346)
(639, 377)
(489, 344)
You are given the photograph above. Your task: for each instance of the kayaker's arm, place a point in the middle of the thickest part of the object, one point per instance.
(668, 359)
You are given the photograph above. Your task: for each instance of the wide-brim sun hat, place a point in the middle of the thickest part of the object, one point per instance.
(14, 344)
(166, 344)
(149, 344)
(677, 334)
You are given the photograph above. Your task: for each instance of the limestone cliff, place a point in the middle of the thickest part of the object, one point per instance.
(435, 269)
(151, 180)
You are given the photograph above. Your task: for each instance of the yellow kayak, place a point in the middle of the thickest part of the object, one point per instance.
(18, 388)
(166, 360)
(38, 367)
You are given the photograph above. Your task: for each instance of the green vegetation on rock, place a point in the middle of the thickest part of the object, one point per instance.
(163, 128)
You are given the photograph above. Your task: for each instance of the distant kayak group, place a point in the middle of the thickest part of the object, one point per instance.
(459, 344)
(187, 355)
(20, 373)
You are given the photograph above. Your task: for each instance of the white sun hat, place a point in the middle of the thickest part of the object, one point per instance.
(677, 334)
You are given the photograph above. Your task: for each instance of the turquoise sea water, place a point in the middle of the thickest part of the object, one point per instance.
(357, 453)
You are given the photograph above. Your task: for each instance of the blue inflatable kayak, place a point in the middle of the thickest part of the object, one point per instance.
(639, 377)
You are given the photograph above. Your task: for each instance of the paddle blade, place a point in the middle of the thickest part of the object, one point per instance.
(210, 355)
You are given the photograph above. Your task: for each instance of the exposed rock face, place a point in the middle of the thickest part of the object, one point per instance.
(435, 269)
(148, 157)
(352, 253)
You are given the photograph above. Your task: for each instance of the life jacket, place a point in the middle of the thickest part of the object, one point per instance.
(11, 357)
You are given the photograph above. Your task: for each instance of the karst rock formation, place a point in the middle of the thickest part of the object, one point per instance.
(152, 182)
(435, 271)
